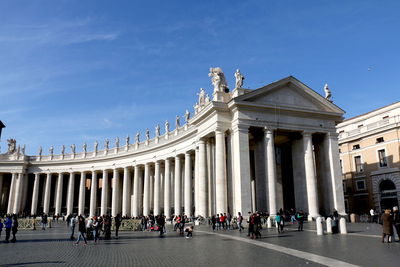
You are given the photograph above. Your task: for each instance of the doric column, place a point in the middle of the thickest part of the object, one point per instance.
(196, 182)
(271, 169)
(311, 179)
(70, 197)
(135, 209)
(47, 192)
(146, 191)
(220, 172)
(241, 166)
(82, 189)
(188, 185)
(93, 194)
(178, 186)
(126, 193)
(167, 188)
(35, 194)
(59, 193)
(104, 193)
(151, 185)
(115, 193)
(335, 172)
(157, 188)
(11, 194)
(202, 183)
(18, 195)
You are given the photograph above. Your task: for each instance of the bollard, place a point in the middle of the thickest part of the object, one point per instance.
(343, 227)
(329, 225)
(269, 222)
(320, 230)
(353, 218)
(309, 218)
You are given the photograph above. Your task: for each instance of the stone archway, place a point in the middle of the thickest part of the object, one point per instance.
(386, 190)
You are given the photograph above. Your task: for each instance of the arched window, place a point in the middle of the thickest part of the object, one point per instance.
(386, 185)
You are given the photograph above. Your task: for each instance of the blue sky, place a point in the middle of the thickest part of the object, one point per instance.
(80, 71)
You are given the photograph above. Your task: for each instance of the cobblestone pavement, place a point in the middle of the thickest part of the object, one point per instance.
(223, 248)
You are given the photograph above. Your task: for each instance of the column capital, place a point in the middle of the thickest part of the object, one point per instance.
(268, 129)
(332, 135)
(240, 127)
(306, 133)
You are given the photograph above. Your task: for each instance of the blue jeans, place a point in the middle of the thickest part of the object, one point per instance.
(81, 234)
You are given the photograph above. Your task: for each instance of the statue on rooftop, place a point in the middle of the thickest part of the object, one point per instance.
(166, 126)
(62, 150)
(51, 150)
(158, 130)
(127, 140)
(12, 146)
(187, 116)
(117, 142)
(137, 137)
(202, 97)
(84, 147)
(96, 146)
(40, 151)
(73, 147)
(177, 123)
(328, 93)
(147, 134)
(218, 80)
(239, 79)
(106, 143)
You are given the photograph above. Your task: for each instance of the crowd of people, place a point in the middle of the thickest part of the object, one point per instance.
(10, 224)
(390, 219)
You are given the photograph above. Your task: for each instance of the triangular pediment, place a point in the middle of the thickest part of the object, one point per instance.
(290, 92)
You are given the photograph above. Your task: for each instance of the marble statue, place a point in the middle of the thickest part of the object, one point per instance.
(96, 146)
(40, 151)
(127, 140)
(84, 147)
(62, 150)
(158, 130)
(106, 143)
(328, 93)
(218, 80)
(177, 123)
(137, 137)
(23, 150)
(239, 79)
(51, 150)
(208, 99)
(117, 142)
(187, 116)
(166, 126)
(73, 147)
(202, 97)
(147, 134)
(12, 143)
(19, 150)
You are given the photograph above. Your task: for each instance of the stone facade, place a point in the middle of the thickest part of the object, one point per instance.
(265, 149)
(369, 151)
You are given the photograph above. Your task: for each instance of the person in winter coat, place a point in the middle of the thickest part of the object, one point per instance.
(387, 225)
(81, 229)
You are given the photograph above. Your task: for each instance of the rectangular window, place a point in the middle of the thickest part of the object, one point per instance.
(361, 125)
(379, 140)
(356, 147)
(344, 187)
(382, 158)
(359, 165)
(341, 165)
(360, 185)
(346, 205)
(385, 117)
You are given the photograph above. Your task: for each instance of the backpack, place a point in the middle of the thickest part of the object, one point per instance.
(278, 218)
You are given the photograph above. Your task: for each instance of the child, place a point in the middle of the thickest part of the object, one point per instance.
(189, 231)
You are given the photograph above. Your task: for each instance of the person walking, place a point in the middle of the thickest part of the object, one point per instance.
(8, 225)
(72, 223)
(14, 228)
(240, 221)
(396, 221)
(81, 229)
(387, 226)
(218, 222)
(280, 222)
(161, 224)
(95, 229)
(229, 221)
(189, 231)
(118, 221)
(213, 222)
(300, 220)
(44, 221)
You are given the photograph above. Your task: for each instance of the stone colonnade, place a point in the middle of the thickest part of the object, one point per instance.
(213, 176)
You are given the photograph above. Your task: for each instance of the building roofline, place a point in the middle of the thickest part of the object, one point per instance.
(358, 116)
